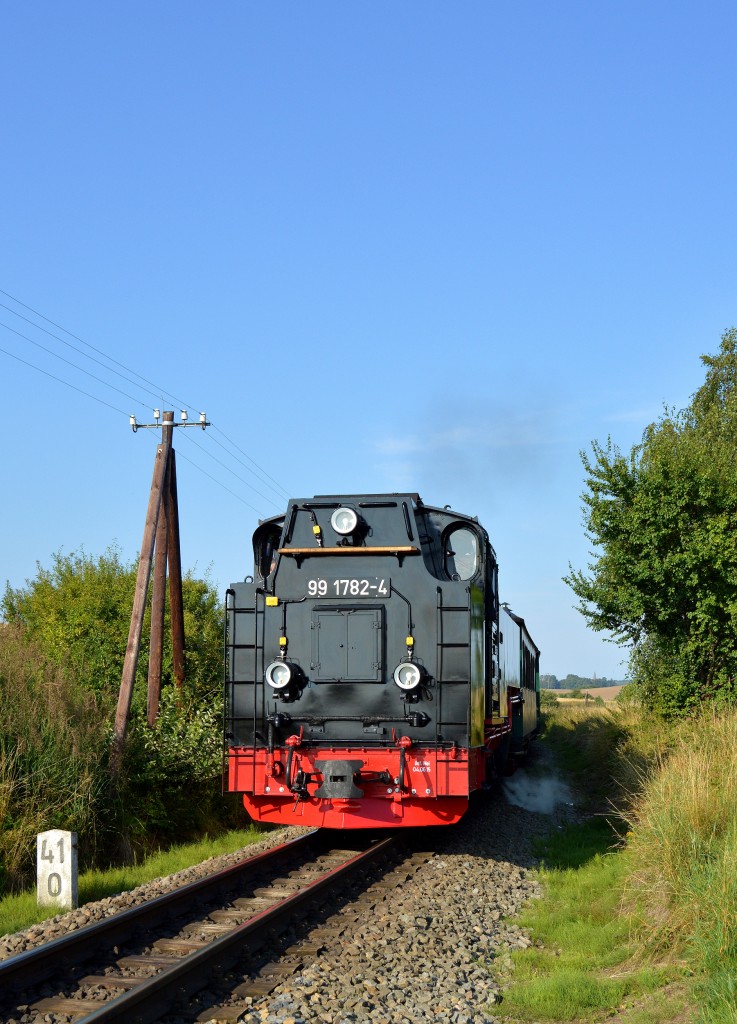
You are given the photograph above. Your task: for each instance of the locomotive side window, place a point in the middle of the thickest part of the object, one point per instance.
(265, 544)
(461, 554)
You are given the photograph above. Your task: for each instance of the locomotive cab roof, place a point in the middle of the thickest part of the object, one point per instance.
(368, 521)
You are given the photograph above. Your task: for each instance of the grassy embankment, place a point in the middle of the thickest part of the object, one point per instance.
(54, 770)
(639, 917)
(20, 911)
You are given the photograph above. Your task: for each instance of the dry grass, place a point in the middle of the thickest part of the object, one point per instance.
(671, 789)
(683, 839)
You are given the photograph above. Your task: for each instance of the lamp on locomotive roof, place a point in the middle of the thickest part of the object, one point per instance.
(344, 521)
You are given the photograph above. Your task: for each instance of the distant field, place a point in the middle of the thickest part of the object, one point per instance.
(605, 692)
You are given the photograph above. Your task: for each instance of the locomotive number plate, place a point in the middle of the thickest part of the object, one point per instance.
(357, 586)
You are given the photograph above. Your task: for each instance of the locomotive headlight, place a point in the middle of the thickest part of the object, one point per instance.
(344, 521)
(279, 674)
(407, 676)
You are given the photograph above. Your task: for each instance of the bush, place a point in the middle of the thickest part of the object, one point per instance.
(53, 759)
(173, 774)
(61, 658)
(629, 696)
(78, 615)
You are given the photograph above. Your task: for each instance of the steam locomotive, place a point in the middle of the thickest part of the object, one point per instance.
(372, 676)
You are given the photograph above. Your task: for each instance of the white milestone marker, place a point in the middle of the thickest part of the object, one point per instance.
(56, 869)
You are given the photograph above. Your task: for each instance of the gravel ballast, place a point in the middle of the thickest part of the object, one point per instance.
(433, 949)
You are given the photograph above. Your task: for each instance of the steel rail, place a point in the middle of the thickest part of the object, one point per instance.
(37, 964)
(148, 1001)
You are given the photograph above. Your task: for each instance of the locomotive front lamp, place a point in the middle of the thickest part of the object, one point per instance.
(285, 679)
(407, 676)
(279, 675)
(344, 521)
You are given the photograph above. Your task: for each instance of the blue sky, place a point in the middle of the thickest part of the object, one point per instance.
(417, 246)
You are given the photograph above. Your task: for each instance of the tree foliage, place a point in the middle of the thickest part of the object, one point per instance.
(574, 682)
(78, 613)
(663, 519)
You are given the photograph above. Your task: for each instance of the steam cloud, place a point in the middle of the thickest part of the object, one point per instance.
(536, 794)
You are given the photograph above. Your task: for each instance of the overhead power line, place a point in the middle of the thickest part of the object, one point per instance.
(147, 386)
(277, 486)
(74, 348)
(99, 351)
(60, 381)
(221, 463)
(81, 369)
(220, 484)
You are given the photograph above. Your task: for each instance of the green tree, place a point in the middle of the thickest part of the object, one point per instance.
(663, 518)
(78, 613)
(549, 682)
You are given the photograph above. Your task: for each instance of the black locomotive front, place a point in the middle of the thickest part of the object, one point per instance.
(364, 681)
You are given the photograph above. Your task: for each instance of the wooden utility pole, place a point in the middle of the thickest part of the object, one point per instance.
(167, 550)
(133, 646)
(161, 534)
(158, 595)
(176, 604)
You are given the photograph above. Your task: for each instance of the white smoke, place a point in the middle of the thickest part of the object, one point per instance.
(536, 793)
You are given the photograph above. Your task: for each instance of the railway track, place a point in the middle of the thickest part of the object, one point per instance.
(141, 964)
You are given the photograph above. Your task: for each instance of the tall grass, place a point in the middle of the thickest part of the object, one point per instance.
(52, 757)
(682, 856)
(671, 792)
(54, 747)
(611, 751)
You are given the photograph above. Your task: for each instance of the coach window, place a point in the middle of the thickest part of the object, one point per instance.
(461, 554)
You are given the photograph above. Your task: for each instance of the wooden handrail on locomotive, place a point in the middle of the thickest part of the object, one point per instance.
(402, 550)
